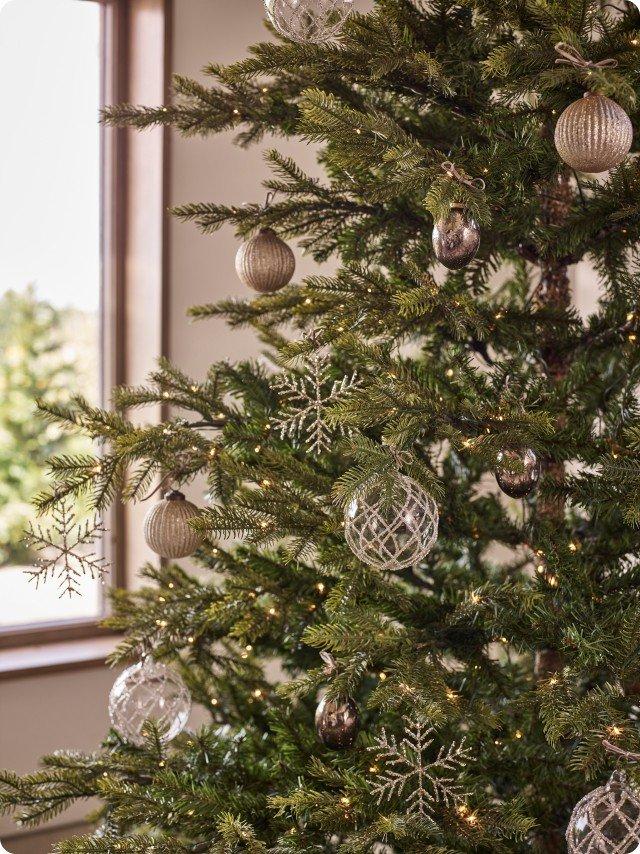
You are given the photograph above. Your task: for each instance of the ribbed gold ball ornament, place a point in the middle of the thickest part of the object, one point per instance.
(593, 134)
(265, 262)
(166, 527)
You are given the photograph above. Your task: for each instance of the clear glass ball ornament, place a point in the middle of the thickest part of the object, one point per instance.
(606, 821)
(149, 691)
(308, 21)
(392, 534)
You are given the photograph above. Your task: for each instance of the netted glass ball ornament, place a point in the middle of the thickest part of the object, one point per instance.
(392, 533)
(606, 821)
(308, 21)
(149, 691)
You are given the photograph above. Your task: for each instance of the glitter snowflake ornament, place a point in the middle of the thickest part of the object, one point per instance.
(149, 691)
(408, 770)
(308, 21)
(66, 549)
(306, 398)
(392, 534)
(606, 821)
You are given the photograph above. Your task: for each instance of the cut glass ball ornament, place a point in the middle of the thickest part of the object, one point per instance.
(392, 534)
(517, 472)
(337, 723)
(456, 238)
(308, 21)
(606, 821)
(149, 691)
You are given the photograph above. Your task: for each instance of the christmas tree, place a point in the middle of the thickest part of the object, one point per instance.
(490, 658)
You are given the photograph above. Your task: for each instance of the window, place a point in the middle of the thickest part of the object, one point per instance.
(50, 278)
(82, 262)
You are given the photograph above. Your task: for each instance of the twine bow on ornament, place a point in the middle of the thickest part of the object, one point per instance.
(452, 171)
(570, 55)
(330, 664)
(619, 751)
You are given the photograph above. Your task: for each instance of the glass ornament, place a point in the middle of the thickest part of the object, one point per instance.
(517, 483)
(593, 134)
(456, 238)
(265, 263)
(166, 527)
(392, 534)
(337, 723)
(308, 21)
(149, 691)
(606, 821)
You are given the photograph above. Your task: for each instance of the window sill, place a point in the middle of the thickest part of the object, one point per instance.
(25, 661)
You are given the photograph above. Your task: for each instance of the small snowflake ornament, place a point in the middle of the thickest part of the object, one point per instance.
(307, 397)
(66, 549)
(407, 770)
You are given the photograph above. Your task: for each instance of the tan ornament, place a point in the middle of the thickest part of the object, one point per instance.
(593, 134)
(166, 527)
(265, 262)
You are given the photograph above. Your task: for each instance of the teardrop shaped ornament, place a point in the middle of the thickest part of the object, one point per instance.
(456, 238)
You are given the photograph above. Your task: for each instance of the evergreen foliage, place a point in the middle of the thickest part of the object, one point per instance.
(519, 632)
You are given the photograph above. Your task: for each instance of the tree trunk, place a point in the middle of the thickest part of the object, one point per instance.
(553, 292)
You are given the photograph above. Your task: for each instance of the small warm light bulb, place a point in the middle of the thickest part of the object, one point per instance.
(320, 587)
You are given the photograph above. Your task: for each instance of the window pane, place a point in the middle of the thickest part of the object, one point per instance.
(49, 267)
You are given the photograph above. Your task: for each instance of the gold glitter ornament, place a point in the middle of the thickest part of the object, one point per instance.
(396, 534)
(265, 262)
(309, 21)
(593, 134)
(606, 821)
(166, 527)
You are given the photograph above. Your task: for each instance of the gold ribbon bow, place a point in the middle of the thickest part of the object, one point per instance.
(569, 55)
(452, 172)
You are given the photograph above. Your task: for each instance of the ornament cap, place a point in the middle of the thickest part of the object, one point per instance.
(618, 779)
(174, 495)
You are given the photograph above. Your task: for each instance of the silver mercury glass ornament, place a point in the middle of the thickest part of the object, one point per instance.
(606, 821)
(517, 472)
(337, 723)
(456, 238)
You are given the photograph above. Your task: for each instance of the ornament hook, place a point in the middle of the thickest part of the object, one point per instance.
(450, 168)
